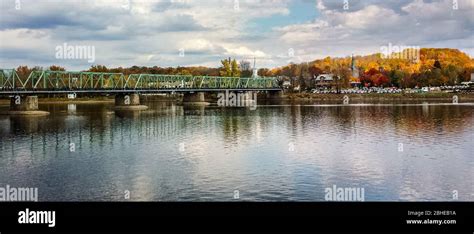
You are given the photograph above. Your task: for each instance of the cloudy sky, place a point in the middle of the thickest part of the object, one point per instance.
(201, 32)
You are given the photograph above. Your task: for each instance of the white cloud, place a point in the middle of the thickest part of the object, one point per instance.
(148, 33)
(363, 28)
(144, 32)
(245, 52)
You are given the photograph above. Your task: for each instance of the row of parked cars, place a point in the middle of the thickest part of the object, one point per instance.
(457, 88)
(359, 90)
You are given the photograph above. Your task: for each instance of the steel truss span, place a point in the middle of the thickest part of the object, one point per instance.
(102, 82)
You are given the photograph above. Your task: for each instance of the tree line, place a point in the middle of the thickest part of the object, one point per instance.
(435, 67)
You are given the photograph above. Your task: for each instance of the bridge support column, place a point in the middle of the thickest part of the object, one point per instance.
(128, 102)
(25, 105)
(196, 98)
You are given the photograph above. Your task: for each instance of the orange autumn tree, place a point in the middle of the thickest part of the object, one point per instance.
(374, 77)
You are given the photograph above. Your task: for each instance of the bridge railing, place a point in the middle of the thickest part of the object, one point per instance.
(72, 80)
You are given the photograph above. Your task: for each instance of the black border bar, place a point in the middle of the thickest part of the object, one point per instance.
(220, 217)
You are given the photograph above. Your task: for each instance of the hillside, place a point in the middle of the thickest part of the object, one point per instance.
(429, 66)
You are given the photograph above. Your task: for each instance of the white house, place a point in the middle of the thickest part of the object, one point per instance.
(324, 78)
(71, 95)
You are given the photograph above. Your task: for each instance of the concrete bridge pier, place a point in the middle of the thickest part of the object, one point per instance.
(25, 105)
(194, 98)
(129, 101)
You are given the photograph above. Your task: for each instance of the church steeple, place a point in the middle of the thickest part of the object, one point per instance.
(254, 70)
(352, 62)
(354, 70)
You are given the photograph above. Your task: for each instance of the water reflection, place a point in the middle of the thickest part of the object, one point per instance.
(71, 108)
(25, 124)
(173, 152)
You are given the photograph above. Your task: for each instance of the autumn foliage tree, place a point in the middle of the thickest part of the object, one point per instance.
(98, 68)
(56, 68)
(230, 68)
(374, 77)
(24, 71)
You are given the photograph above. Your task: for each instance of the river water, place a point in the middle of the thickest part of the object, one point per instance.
(277, 152)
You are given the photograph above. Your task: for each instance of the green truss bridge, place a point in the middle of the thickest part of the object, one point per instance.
(54, 82)
(24, 91)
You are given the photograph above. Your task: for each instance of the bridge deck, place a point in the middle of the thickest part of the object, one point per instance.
(44, 82)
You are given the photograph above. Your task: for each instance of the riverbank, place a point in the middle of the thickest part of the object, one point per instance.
(90, 100)
(369, 97)
(382, 96)
(6, 101)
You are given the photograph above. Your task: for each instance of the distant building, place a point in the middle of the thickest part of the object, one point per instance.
(297, 88)
(469, 83)
(328, 80)
(355, 82)
(324, 80)
(286, 84)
